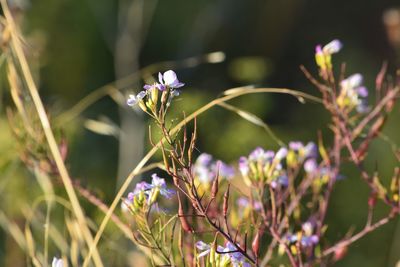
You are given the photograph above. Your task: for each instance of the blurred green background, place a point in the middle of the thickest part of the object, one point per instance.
(77, 46)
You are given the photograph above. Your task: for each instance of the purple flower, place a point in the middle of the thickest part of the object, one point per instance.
(154, 86)
(244, 166)
(353, 94)
(308, 228)
(205, 168)
(150, 191)
(310, 150)
(308, 241)
(169, 79)
(306, 151)
(262, 165)
(205, 248)
(362, 91)
(261, 155)
(310, 165)
(323, 55)
(282, 152)
(282, 180)
(296, 145)
(332, 47)
(133, 100)
(225, 170)
(244, 202)
(237, 258)
(305, 241)
(160, 184)
(352, 81)
(139, 188)
(204, 159)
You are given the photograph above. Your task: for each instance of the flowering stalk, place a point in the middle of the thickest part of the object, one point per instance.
(277, 182)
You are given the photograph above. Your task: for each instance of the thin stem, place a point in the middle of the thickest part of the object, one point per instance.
(367, 229)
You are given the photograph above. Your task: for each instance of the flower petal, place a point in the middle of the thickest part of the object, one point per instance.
(170, 78)
(333, 47)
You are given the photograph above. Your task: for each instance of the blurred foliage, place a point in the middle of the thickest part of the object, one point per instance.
(71, 44)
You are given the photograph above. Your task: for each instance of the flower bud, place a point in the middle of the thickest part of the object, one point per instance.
(184, 223)
(214, 188)
(340, 253)
(255, 245)
(226, 202)
(154, 95)
(372, 200)
(142, 105)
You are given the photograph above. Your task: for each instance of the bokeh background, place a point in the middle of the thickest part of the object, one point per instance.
(78, 46)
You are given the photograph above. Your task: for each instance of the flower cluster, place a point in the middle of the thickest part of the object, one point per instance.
(148, 98)
(246, 206)
(146, 194)
(206, 169)
(303, 239)
(323, 56)
(353, 94)
(222, 256)
(284, 187)
(268, 167)
(263, 166)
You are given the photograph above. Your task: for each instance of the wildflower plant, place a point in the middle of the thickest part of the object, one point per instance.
(266, 219)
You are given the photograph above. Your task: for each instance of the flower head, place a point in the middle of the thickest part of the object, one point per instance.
(323, 56)
(226, 255)
(135, 99)
(205, 248)
(237, 258)
(282, 180)
(304, 240)
(169, 79)
(153, 86)
(262, 165)
(310, 165)
(158, 183)
(332, 47)
(353, 94)
(244, 203)
(145, 194)
(206, 169)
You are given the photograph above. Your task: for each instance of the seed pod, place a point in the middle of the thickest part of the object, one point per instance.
(372, 200)
(175, 176)
(226, 201)
(340, 252)
(164, 155)
(255, 245)
(142, 105)
(185, 224)
(63, 147)
(154, 95)
(214, 188)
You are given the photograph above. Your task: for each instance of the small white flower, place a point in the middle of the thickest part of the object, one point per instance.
(57, 262)
(169, 79)
(133, 100)
(332, 47)
(282, 152)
